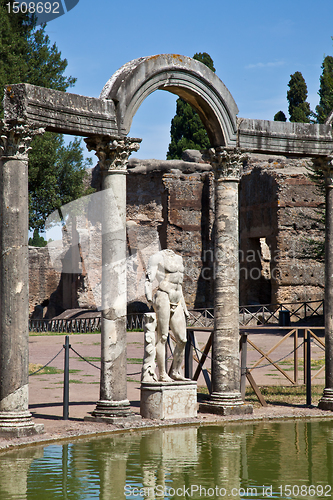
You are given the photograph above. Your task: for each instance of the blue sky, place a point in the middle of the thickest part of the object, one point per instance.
(255, 45)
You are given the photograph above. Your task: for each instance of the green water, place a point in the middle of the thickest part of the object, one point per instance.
(241, 461)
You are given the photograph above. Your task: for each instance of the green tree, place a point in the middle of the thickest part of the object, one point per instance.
(56, 176)
(280, 117)
(325, 92)
(56, 172)
(187, 129)
(299, 108)
(325, 106)
(37, 240)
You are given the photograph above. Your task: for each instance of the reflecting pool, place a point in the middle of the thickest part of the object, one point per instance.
(242, 461)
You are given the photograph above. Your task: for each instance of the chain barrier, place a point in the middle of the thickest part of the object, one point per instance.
(42, 368)
(278, 360)
(199, 350)
(84, 359)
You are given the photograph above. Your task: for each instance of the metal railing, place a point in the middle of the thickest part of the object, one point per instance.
(77, 325)
(302, 337)
(249, 315)
(269, 313)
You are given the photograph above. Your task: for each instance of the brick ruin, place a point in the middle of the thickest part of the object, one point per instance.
(173, 202)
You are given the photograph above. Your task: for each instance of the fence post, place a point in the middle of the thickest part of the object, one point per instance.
(66, 379)
(296, 356)
(243, 347)
(308, 369)
(305, 333)
(189, 355)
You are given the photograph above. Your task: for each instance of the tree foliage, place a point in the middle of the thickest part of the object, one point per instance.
(325, 92)
(56, 176)
(187, 129)
(56, 171)
(26, 53)
(299, 108)
(280, 117)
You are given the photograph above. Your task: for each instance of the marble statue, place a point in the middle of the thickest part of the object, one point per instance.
(148, 367)
(170, 308)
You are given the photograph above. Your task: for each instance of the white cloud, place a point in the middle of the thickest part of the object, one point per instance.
(265, 65)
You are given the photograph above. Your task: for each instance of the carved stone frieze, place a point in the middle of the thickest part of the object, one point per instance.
(15, 139)
(113, 153)
(227, 163)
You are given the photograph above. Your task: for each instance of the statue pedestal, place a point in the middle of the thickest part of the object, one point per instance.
(168, 400)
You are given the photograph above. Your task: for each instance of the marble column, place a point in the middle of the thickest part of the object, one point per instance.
(15, 418)
(325, 164)
(113, 157)
(226, 397)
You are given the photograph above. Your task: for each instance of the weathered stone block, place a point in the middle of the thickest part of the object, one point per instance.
(165, 401)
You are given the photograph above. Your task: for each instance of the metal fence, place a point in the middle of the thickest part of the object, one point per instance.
(77, 325)
(250, 315)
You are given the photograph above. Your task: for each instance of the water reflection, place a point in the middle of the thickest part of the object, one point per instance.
(234, 461)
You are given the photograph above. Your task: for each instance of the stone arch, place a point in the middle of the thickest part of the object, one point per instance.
(183, 76)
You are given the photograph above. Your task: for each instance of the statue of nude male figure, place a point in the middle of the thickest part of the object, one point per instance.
(170, 308)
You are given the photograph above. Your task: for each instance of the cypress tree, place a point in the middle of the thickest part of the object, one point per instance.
(187, 129)
(325, 92)
(299, 108)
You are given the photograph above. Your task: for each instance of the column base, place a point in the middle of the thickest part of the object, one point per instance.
(326, 402)
(18, 424)
(226, 403)
(112, 412)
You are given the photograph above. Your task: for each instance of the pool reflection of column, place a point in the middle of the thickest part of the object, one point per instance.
(109, 464)
(171, 449)
(14, 468)
(227, 447)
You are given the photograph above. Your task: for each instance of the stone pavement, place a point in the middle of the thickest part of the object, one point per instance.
(46, 390)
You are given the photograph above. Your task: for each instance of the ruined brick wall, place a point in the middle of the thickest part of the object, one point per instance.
(278, 204)
(174, 207)
(170, 204)
(189, 200)
(43, 280)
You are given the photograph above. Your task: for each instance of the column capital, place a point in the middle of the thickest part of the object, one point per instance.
(113, 153)
(325, 164)
(227, 163)
(15, 139)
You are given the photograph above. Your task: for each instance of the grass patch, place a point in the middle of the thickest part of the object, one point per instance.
(288, 365)
(48, 334)
(278, 395)
(285, 395)
(48, 370)
(134, 361)
(92, 359)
